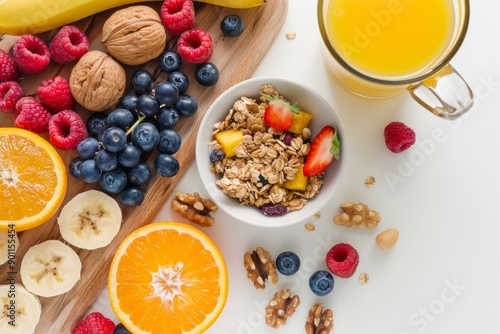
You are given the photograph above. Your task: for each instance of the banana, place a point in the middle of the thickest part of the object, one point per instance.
(21, 310)
(19, 17)
(90, 220)
(9, 243)
(50, 268)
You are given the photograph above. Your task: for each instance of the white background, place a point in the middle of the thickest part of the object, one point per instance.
(442, 276)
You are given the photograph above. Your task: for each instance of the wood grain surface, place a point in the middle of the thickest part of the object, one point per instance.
(237, 58)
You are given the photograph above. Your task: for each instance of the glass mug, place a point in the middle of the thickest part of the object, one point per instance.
(380, 48)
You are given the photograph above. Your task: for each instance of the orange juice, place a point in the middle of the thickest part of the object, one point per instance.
(390, 38)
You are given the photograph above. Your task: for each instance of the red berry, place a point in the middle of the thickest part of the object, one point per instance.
(94, 323)
(398, 137)
(8, 68)
(31, 54)
(10, 93)
(324, 148)
(55, 94)
(69, 44)
(195, 45)
(31, 115)
(342, 260)
(178, 16)
(67, 130)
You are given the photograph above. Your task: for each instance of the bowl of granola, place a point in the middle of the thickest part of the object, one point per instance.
(269, 152)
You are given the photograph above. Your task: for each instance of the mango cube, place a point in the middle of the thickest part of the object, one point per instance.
(300, 181)
(228, 139)
(300, 121)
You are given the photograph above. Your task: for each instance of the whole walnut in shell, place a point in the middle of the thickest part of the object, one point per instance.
(97, 81)
(134, 35)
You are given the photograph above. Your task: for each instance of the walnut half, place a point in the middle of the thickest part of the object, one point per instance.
(357, 215)
(194, 208)
(319, 321)
(281, 307)
(260, 267)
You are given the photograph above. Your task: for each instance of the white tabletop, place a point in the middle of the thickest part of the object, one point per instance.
(442, 194)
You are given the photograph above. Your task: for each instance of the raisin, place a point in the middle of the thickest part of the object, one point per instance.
(288, 138)
(273, 209)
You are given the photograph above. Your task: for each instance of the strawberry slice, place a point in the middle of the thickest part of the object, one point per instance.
(324, 148)
(279, 114)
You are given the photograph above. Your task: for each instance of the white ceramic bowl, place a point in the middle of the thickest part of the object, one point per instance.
(307, 99)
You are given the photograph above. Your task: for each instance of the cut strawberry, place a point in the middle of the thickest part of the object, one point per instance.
(279, 114)
(324, 148)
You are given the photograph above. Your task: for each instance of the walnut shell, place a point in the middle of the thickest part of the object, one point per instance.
(134, 35)
(97, 81)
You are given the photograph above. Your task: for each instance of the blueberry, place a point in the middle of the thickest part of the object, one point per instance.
(166, 165)
(207, 74)
(114, 139)
(167, 117)
(132, 196)
(186, 105)
(217, 155)
(139, 174)
(89, 171)
(106, 160)
(113, 182)
(288, 263)
(96, 123)
(170, 141)
(122, 118)
(130, 156)
(170, 61)
(121, 329)
(180, 80)
(321, 283)
(142, 82)
(232, 25)
(145, 136)
(147, 105)
(166, 93)
(129, 102)
(74, 167)
(87, 148)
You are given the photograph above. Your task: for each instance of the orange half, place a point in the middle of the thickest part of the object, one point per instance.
(167, 278)
(33, 179)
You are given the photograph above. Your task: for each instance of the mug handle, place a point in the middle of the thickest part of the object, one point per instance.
(445, 94)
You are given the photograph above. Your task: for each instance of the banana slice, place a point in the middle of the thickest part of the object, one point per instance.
(50, 268)
(90, 220)
(21, 310)
(9, 243)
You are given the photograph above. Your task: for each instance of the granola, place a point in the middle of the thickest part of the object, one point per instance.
(264, 159)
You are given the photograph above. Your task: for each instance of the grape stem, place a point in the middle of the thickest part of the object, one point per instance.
(141, 118)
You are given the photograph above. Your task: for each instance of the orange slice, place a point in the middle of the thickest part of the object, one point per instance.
(167, 278)
(33, 179)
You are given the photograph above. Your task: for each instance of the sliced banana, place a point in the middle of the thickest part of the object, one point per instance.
(21, 310)
(9, 243)
(50, 268)
(90, 220)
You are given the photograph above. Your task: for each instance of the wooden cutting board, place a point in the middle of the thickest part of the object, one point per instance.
(237, 58)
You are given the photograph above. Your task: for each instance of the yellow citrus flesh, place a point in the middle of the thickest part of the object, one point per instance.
(167, 278)
(33, 179)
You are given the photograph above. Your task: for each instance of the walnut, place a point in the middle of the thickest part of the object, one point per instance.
(134, 35)
(281, 307)
(357, 215)
(194, 208)
(260, 267)
(97, 81)
(319, 321)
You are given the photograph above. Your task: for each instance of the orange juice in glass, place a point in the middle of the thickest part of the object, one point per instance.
(380, 48)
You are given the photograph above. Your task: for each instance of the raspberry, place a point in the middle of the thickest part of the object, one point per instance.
(31, 54)
(67, 130)
(10, 93)
(94, 323)
(342, 260)
(195, 45)
(55, 94)
(69, 44)
(177, 16)
(31, 115)
(8, 68)
(398, 137)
